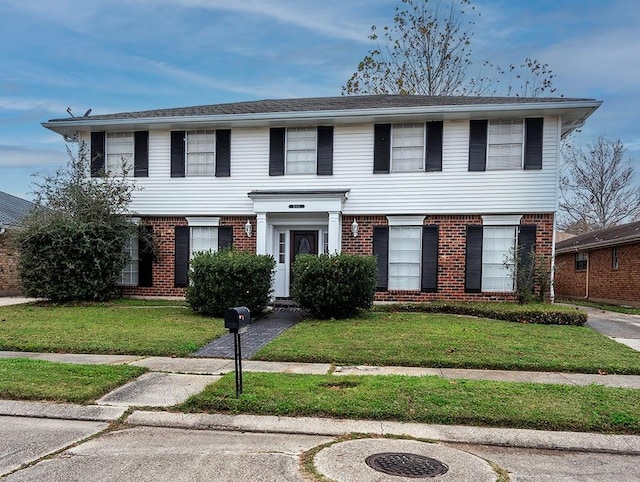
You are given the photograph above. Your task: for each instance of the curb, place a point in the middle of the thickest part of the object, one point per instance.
(505, 437)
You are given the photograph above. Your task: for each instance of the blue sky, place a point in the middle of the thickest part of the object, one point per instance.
(125, 55)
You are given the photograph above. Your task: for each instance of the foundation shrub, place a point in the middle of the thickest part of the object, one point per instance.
(334, 286)
(229, 278)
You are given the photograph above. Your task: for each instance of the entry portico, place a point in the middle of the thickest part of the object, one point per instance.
(290, 222)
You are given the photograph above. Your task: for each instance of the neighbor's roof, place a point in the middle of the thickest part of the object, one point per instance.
(613, 236)
(362, 108)
(13, 209)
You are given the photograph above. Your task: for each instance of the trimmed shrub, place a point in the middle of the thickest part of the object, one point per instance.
(63, 259)
(229, 278)
(334, 286)
(538, 314)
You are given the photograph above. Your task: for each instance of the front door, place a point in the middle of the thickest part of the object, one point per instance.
(302, 242)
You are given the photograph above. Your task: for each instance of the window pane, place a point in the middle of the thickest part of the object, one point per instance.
(129, 275)
(407, 147)
(119, 149)
(405, 255)
(301, 150)
(505, 144)
(200, 153)
(498, 245)
(204, 239)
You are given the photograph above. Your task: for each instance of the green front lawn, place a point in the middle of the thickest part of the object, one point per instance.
(629, 310)
(435, 340)
(427, 399)
(125, 327)
(24, 379)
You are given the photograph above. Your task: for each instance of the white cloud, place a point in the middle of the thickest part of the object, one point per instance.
(29, 104)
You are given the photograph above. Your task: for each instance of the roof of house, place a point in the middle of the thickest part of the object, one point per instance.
(13, 209)
(613, 236)
(318, 104)
(356, 108)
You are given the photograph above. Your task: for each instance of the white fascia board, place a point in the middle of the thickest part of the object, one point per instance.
(455, 111)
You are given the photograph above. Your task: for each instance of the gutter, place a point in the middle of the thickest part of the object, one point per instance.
(315, 115)
(599, 244)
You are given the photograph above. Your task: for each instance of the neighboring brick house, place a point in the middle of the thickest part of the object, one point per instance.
(602, 265)
(12, 210)
(441, 189)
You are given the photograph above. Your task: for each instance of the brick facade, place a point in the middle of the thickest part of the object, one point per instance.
(605, 283)
(9, 277)
(451, 252)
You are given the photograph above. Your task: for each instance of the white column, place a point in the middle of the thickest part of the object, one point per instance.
(335, 233)
(261, 233)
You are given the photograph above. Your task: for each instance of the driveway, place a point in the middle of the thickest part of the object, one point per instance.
(621, 327)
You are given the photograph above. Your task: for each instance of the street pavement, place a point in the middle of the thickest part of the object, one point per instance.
(128, 434)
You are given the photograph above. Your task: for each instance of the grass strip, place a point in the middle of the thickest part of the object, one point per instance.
(25, 379)
(428, 400)
(434, 340)
(128, 327)
(629, 310)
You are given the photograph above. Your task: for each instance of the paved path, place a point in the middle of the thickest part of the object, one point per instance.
(253, 336)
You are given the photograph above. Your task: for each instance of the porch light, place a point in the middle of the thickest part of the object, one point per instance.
(354, 228)
(248, 229)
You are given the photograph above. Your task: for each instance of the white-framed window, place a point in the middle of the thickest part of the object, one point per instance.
(200, 153)
(120, 150)
(130, 273)
(581, 261)
(203, 238)
(407, 147)
(505, 141)
(301, 147)
(614, 258)
(498, 249)
(405, 257)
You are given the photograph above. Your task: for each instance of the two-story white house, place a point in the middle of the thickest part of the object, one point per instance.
(441, 189)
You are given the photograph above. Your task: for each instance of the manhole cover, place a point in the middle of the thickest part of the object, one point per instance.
(406, 465)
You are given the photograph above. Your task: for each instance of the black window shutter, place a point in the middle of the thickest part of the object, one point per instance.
(177, 154)
(141, 154)
(145, 253)
(223, 153)
(325, 150)
(533, 143)
(225, 237)
(526, 242)
(97, 153)
(478, 145)
(381, 148)
(430, 259)
(181, 269)
(473, 260)
(276, 151)
(381, 250)
(434, 146)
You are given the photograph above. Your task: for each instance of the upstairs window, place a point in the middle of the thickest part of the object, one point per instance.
(200, 153)
(301, 156)
(407, 147)
(505, 142)
(119, 148)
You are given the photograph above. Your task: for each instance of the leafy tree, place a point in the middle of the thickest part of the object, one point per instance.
(71, 245)
(597, 188)
(427, 51)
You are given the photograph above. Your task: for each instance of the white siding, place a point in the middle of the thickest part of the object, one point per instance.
(454, 190)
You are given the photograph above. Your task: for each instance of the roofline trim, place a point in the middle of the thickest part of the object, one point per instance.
(321, 114)
(599, 244)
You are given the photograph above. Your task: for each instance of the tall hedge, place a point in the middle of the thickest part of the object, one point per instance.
(334, 286)
(229, 278)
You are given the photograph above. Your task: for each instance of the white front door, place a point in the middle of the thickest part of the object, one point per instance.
(281, 254)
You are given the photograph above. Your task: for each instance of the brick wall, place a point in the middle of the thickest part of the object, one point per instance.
(164, 238)
(451, 253)
(605, 283)
(9, 278)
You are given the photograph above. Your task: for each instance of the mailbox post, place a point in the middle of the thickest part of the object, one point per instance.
(234, 319)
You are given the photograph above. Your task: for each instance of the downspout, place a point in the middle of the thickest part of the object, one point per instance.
(552, 289)
(586, 283)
